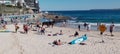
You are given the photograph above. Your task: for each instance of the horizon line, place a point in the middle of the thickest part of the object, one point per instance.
(84, 10)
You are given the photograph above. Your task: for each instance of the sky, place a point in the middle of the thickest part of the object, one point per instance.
(47, 5)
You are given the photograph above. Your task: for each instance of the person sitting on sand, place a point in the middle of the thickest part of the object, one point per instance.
(59, 42)
(76, 34)
(55, 42)
(61, 33)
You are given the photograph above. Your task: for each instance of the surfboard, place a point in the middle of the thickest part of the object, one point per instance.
(79, 40)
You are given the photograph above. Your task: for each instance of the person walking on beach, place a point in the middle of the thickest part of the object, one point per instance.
(85, 25)
(88, 27)
(4, 26)
(111, 28)
(11, 20)
(64, 24)
(25, 27)
(79, 27)
(16, 28)
(42, 31)
(2, 20)
(16, 20)
(37, 25)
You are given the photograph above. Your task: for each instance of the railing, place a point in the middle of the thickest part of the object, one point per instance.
(22, 18)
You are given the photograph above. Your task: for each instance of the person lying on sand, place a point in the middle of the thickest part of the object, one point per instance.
(60, 33)
(57, 43)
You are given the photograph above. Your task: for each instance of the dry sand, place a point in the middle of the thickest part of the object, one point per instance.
(33, 43)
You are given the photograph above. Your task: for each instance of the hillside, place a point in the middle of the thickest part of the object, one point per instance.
(8, 9)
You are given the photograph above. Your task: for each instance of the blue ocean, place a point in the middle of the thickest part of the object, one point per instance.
(93, 16)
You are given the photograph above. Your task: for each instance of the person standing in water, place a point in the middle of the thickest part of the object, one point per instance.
(79, 27)
(88, 27)
(85, 25)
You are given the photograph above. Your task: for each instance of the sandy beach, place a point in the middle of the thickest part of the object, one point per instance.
(34, 43)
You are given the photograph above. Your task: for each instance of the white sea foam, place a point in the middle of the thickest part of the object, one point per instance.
(77, 23)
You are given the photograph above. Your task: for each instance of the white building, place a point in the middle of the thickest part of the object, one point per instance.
(11, 2)
(6, 2)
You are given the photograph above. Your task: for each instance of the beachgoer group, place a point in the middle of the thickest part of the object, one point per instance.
(57, 42)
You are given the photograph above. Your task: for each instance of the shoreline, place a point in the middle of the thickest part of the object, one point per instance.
(93, 27)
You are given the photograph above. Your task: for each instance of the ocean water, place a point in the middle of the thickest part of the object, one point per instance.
(92, 17)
